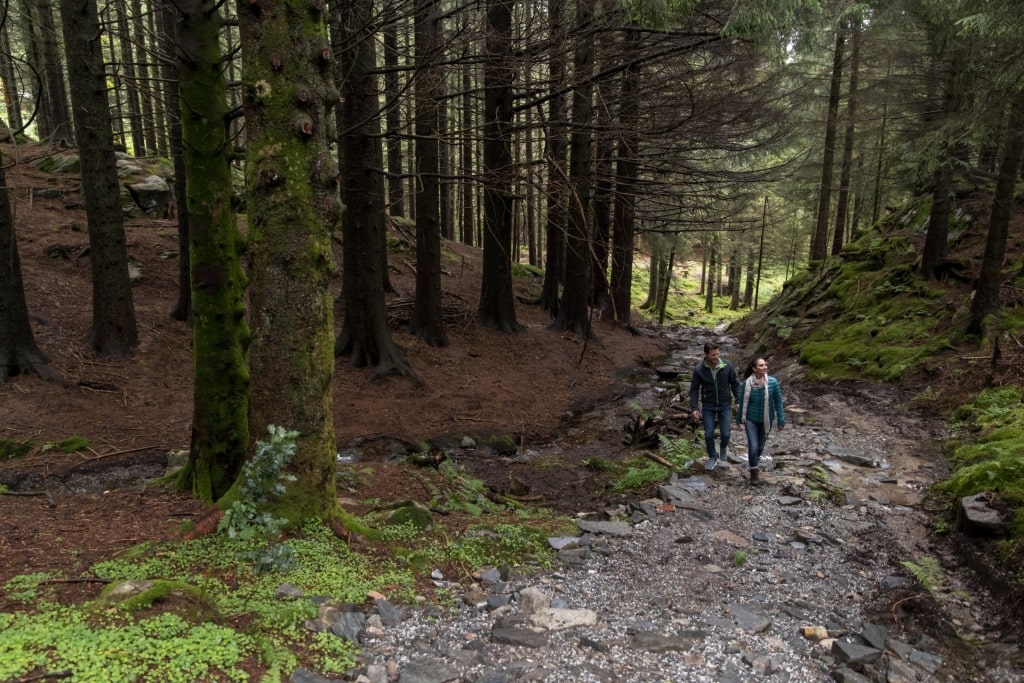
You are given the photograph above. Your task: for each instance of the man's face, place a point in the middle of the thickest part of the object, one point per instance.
(712, 357)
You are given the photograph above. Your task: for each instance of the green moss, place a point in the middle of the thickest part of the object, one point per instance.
(13, 449)
(73, 444)
(987, 455)
(189, 602)
(525, 270)
(413, 514)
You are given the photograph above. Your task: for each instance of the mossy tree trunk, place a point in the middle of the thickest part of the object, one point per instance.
(220, 428)
(114, 331)
(365, 336)
(291, 180)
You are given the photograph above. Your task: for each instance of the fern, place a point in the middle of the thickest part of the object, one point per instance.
(928, 572)
(679, 451)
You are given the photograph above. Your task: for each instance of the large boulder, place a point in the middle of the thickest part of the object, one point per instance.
(153, 195)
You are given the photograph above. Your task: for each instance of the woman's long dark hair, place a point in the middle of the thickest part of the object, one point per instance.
(749, 370)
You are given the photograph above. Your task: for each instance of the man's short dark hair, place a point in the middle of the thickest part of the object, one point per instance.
(709, 347)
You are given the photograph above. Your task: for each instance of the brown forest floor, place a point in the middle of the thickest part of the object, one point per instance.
(135, 411)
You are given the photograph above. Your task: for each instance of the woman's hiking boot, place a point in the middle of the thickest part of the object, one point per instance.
(755, 476)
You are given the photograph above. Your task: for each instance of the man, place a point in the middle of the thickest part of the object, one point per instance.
(712, 389)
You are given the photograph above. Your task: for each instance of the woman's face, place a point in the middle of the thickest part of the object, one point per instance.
(760, 367)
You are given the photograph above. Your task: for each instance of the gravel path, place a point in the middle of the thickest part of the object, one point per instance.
(719, 581)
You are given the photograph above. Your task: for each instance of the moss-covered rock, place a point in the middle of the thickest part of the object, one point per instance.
(411, 513)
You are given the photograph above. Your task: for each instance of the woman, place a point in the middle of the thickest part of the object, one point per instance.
(760, 408)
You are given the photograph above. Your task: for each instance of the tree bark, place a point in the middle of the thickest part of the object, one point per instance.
(183, 307)
(130, 83)
(114, 332)
(497, 308)
(54, 119)
(365, 336)
(557, 171)
(846, 166)
(8, 76)
(625, 188)
(467, 185)
(220, 335)
(426, 320)
(820, 239)
(18, 350)
(293, 207)
(986, 300)
(935, 241)
(573, 314)
(396, 193)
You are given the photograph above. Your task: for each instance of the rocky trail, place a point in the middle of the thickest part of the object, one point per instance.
(826, 572)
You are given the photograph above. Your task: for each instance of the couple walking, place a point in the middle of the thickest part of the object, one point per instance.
(713, 388)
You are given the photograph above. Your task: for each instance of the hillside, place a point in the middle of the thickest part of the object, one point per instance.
(143, 404)
(867, 314)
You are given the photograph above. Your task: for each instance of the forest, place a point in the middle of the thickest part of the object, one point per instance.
(599, 147)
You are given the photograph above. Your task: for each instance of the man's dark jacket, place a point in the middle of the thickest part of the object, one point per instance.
(714, 391)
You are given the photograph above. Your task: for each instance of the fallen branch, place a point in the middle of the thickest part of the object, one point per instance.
(81, 580)
(38, 677)
(110, 455)
(658, 459)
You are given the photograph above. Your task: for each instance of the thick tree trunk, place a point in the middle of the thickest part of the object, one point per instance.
(558, 173)
(18, 350)
(183, 308)
(114, 331)
(820, 238)
(466, 154)
(426, 320)
(748, 290)
(600, 296)
(625, 189)
(846, 166)
(393, 119)
(497, 305)
(220, 336)
(292, 208)
(735, 270)
(709, 294)
(130, 83)
(365, 336)
(573, 314)
(53, 95)
(9, 79)
(935, 241)
(986, 295)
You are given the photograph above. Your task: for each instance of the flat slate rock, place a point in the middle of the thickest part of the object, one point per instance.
(607, 528)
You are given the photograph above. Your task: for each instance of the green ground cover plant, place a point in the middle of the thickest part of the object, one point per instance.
(986, 451)
(209, 607)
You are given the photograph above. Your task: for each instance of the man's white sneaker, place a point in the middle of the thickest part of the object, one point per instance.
(711, 464)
